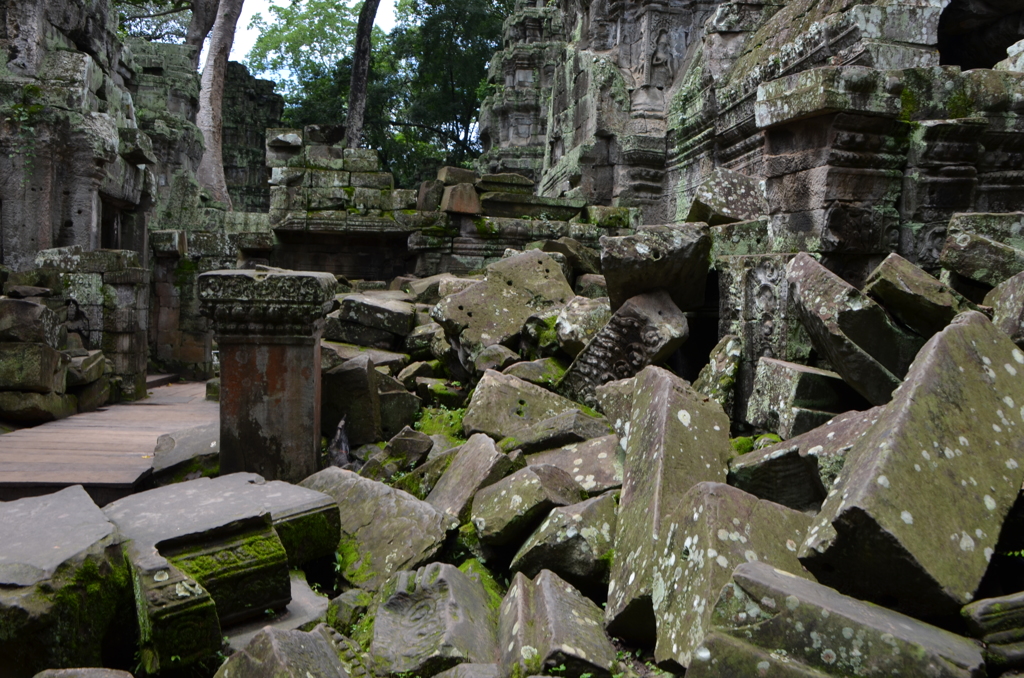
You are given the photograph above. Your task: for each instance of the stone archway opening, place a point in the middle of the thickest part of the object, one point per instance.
(976, 33)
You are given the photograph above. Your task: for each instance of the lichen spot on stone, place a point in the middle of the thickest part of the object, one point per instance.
(1018, 356)
(883, 481)
(702, 654)
(907, 517)
(828, 656)
(792, 602)
(990, 503)
(684, 418)
(966, 543)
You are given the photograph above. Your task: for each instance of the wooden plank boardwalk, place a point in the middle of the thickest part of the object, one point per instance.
(109, 452)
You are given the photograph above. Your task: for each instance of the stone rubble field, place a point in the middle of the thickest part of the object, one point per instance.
(529, 487)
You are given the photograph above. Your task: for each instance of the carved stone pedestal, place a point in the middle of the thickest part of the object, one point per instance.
(267, 323)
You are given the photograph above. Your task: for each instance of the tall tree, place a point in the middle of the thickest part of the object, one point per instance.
(360, 74)
(210, 117)
(204, 14)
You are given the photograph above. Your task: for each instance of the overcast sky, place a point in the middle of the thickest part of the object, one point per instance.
(244, 38)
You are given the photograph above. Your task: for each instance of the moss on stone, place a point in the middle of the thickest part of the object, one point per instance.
(350, 563)
(743, 444)
(442, 421)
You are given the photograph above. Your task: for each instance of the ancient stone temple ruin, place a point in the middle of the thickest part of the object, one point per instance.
(710, 364)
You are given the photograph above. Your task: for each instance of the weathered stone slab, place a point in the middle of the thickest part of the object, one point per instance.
(644, 330)
(790, 399)
(575, 542)
(285, 654)
(579, 321)
(799, 472)
(947, 437)
(380, 311)
(495, 357)
(420, 482)
(986, 256)
(27, 321)
(717, 379)
(676, 438)
(431, 619)
(594, 463)
(525, 284)
(32, 367)
(503, 405)
(180, 454)
(383, 530)
(562, 429)
(913, 297)
(36, 408)
(512, 507)
(350, 392)
(334, 354)
(674, 258)
(545, 624)
(727, 196)
(719, 527)
(477, 464)
(305, 520)
(336, 329)
(582, 260)
(470, 670)
(545, 372)
(856, 335)
(216, 531)
(83, 673)
(86, 369)
(306, 607)
(1007, 302)
(999, 624)
(65, 592)
(823, 633)
(591, 285)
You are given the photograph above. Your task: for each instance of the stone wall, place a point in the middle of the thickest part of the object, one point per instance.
(72, 157)
(250, 107)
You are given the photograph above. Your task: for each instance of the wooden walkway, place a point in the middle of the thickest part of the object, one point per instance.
(109, 451)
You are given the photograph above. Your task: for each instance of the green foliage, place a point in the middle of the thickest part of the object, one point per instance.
(442, 421)
(155, 20)
(425, 77)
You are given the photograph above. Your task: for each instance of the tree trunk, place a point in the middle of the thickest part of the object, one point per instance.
(204, 13)
(360, 75)
(211, 98)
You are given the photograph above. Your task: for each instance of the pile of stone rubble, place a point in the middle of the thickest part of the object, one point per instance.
(522, 484)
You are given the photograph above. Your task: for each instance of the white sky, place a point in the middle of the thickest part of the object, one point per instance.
(244, 38)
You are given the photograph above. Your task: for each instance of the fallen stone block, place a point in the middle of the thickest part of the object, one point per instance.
(333, 354)
(677, 438)
(350, 391)
(719, 527)
(821, 632)
(503, 405)
(717, 379)
(673, 258)
(336, 329)
(187, 454)
(305, 609)
(913, 297)
(579, 321)
(29, 322)
(380, 311)
(726, 196)
(790, 399)
(987, 248)
(575, 542)
(525, 284)
(432, 619)
(546, 623)
(644, 330)
(799, 472)
(285, 654)
(65, 590)
(509, 509)
(496, 357)
(32, 367)
(854, 333)
(593, 463)
(582, 260)
(545, 372)
(948, 437)
(470, 670)
(383, 530)
(999, 624)
(477, 464)
(86, 369)
(562, 429)
(36, 408)
(591, 285)
(1007, 302)
(220, 533)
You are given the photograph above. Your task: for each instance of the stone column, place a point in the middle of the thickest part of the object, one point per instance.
(267, 323)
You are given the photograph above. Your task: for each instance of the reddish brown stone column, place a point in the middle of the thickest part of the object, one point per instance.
(267, 323)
